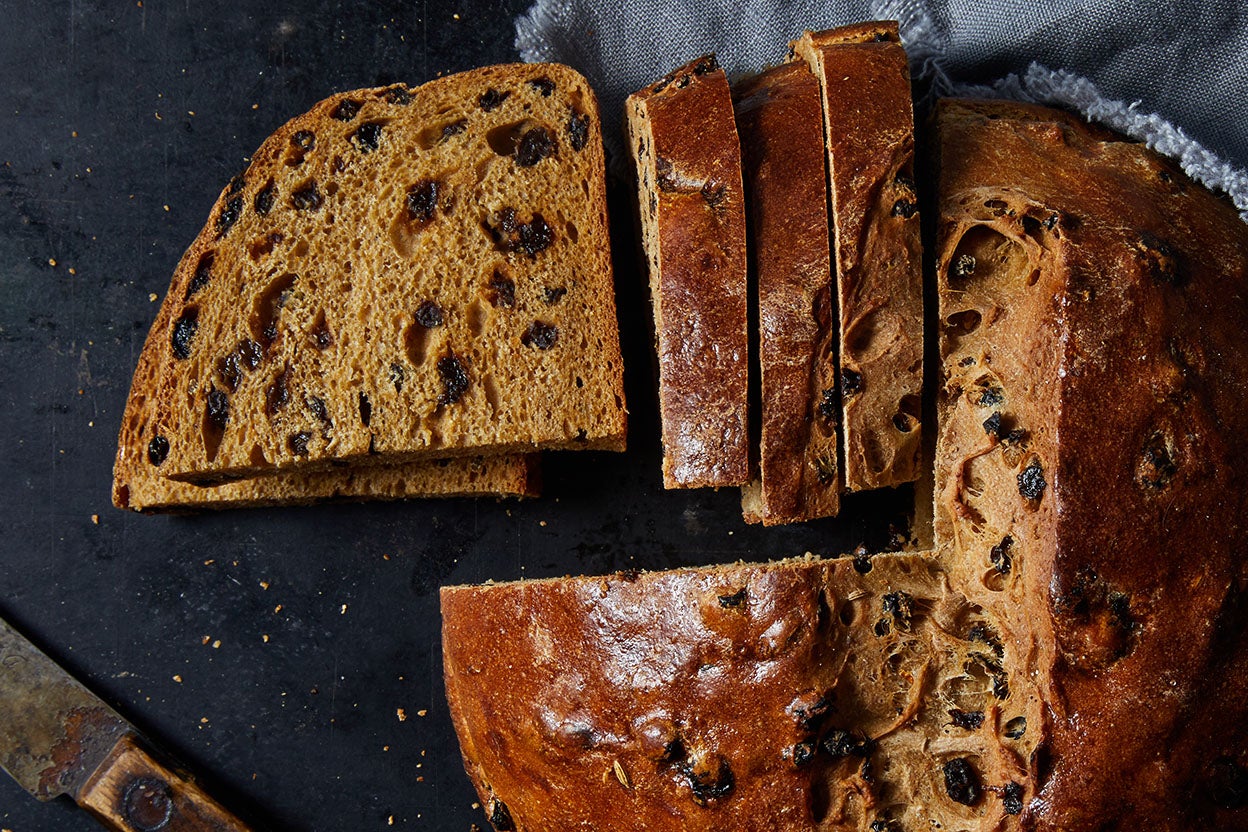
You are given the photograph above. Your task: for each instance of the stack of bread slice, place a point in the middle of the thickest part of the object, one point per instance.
(819, 165)
(406, 293)
(1070, 655)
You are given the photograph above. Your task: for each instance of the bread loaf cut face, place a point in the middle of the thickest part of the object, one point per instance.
(790, 696)
(400, 274)
(869, 134)
(1090, 479)
(683, 140)
(779, 120)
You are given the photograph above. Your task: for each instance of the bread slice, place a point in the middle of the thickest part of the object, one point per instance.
(779, 122)
(790, 696)
(684, 142)
(400, 274)
(1092, 471)
(869, 131)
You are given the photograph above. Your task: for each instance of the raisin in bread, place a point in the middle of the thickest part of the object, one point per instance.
(778, 120)
(684, 142)
(869, 131)
(400, 274)
(1091, 485)
(793, 696)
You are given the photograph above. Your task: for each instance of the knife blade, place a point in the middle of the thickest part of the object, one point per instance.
(57, 738)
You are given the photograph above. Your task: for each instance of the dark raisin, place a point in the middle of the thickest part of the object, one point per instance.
(827, 404)
(840, 743)
(229, 215)
(970, 720)
(1050, 222)
(304, 140)
(713, 193)
(1031, 482)
(534, 146)
(1001, 686)
(398, 94)
(218, 411)
(454, 377)
(961, 781)
(1015, 437)
(540, 335)
(368, 137)
(184, 332)
(1012, 798)
(665, 174)
(318, 409)
(553, 296)
(366, 409)
(500, 816)
(883, 627)
(851, 382)
(534, 236)
(1120, 611)
(502, 290)
(1227, 785)
(991, 396)
(422, 200)
(578, 130)
(981, 633)
(734, 600)
(203, 274)
(967, 361)
(157, 449)
(543, 85)
(709, 779)
(899, 605)
(810, 715)
(321, 337)
(298, 443)
(904, 208)
(250, 352)
(964, 266)
(454, 129)
(1016, 727)
(346, 109)
(1155, 468)
(397, 377)
(705, 64)
(492, 99)
(862, 560)
(230, 369)
(264, 199)
(904, 422)
(992, 425)
(884, 825)
(307, 197)
(278, 395)
(429, 315)
(802, 753)
(236, 184)
(825, 469)
(1000, 555)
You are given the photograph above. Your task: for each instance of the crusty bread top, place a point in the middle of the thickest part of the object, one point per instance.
(400, 273)
(684, 142)
(1092, 469)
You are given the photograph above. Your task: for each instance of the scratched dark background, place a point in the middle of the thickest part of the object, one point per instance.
(119, 124)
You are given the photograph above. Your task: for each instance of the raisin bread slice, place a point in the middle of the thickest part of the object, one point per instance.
(401, 274)
(138, 484)
(684, 142)
(791, 696)
(1092, 468)
(779, 123)
(869, 131)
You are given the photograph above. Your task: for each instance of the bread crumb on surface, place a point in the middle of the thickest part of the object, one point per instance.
(401, 713)
(177, 678)
(95, 518)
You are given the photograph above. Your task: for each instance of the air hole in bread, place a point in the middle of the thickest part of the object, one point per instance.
(257, 457)
(216, 417)
(986, 254)
(268, 306)
(504, 138)
(477, 317)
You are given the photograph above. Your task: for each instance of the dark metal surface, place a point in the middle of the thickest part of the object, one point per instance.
(53, 732)
(273, 649)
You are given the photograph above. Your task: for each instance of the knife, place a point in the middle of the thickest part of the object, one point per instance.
(56, 738)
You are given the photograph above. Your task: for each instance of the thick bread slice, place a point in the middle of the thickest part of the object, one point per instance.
(869, 130)
(1092, 468)
(684, 142)
(797, 695)
(401, 274)
(138, 484)
(779, 121)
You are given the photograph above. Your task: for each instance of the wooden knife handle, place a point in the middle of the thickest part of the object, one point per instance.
(131, 792)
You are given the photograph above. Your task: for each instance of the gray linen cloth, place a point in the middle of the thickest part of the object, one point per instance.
(1171, 74)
